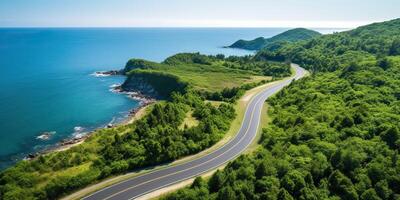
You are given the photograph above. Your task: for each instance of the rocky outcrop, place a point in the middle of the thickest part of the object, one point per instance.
(137, 84)
(108, 73)
(153, 84)
(144, 83)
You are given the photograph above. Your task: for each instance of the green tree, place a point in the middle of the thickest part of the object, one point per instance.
(284, 195)
(293, 182)
(216, 181)
(265, 168)
(370, 194)
(392, 137)
(226, 193)
(199, 183)
(342, 186)
(395, 47)
(382, 189)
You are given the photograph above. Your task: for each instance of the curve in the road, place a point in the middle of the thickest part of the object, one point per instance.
(146, 183)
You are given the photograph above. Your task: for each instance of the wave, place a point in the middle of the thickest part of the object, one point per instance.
(78, 129)
(115, 85)
(46, 135)
(100, 74)
(79, 132)
(106, 73)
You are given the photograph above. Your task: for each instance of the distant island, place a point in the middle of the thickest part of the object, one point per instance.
(289, 36)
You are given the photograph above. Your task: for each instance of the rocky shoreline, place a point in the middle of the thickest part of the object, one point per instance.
(133, 94)
(107, 73)
(136, 94)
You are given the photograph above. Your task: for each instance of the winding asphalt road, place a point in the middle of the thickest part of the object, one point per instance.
(143, 184)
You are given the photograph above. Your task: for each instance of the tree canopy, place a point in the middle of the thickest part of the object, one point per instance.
(332, 135)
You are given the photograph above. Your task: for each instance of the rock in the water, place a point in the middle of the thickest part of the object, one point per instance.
(107, 73)
(46, 135)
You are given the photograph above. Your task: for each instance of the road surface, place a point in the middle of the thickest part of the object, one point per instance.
(143, 184)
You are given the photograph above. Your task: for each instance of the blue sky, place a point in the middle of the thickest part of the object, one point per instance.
(195, 13)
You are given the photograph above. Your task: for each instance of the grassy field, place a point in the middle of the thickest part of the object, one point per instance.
(211, 78)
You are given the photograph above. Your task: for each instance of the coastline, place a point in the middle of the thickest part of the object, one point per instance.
(66, 144)
(133, 114)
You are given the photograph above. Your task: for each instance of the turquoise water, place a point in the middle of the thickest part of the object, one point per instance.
(45, 81)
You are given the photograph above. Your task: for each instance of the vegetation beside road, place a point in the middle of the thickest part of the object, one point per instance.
(334, 134)
(185, 81)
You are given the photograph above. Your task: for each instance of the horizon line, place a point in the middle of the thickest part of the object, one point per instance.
(204, 24)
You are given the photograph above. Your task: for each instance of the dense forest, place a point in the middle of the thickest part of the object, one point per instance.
(292, 35)
(332, 135)
(160, 136)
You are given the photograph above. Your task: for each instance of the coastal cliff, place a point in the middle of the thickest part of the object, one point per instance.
(142, 80)
(153, 84)
(143, 83)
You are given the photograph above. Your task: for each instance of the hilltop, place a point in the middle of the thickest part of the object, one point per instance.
(292, 35)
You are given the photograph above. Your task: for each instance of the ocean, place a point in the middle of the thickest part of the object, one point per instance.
(46, 81)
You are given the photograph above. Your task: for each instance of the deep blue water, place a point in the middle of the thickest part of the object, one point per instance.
(45, 82)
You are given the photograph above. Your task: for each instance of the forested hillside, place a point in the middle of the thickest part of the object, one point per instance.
(160, 136)
(289, 36)
(333, 135)
(333, 52)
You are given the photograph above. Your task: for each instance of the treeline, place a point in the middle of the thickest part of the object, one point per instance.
(262, 67)
(248, 63)
(333, 135)
(191, 58)
(232, 94)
